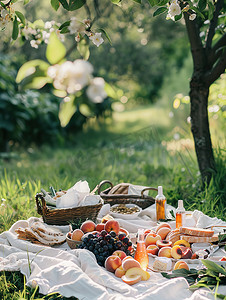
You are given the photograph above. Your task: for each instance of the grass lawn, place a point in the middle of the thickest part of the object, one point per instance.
(141, 146)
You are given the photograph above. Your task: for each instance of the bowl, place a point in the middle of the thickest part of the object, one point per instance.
(71, 243)
(125, 216)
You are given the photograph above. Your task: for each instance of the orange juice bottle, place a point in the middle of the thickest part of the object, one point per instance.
(141, 254)
(160, 202)
(180, 214)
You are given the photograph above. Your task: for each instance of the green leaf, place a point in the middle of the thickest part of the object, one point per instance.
(211, 9)
(55, 51)
(213, 266)
(20, 16)
(178, 17)
(64, 4)
(65, 30)
(67, 110)
(222, 237)
(106, 34)
(29, 68)
(153, 2)
(83, 49)
(85, 110)
(65, 24)
(26, 2)
(197, 11)
(110, 91)
(15, 29)
(202, 4)
(160, 11)
(55, 4)
(115, 1)
(76, 4)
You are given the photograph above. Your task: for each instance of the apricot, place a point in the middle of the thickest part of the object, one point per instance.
(165, 252)
(176, 252)
(112, 263)
(119, 253)
(163, 231)
(131, 280)
(88, 226)
(119, 272)
(130, 263)
(77, 235)
(181, 265)
(163, 243)
(163, 225)
(182, 243)
(153, 249)
(151, 239)
(137, 271)
(112, 225)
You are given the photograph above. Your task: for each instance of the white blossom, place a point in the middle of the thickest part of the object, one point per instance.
(76, 26)
(95, 91)
(71, 76)
(34, 44)
(97, 39)
(48, 25)
(192, 17)
(174, 10)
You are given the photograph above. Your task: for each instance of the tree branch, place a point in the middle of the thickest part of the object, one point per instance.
(197, 50)
(218, 69)
(215, 51)
(213, 24)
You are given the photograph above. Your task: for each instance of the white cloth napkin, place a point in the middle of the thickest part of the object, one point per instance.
(76, 272)
(204, 221)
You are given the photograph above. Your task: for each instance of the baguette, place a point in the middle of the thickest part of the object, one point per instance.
(199, 239)
(198, 232)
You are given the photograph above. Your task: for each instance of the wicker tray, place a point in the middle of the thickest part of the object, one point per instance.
(64, 216)
(118, 194)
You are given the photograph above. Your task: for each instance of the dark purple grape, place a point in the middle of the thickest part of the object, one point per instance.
(113, 234)
(90, 236)
(129, 244)
(105, 248)
(118, 244)
(107, 237)
(125, 240)
(121, 236)
(91, 248)
(103, 232)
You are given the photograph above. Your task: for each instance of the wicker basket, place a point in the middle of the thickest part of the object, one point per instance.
(118, 194)
(64, 216)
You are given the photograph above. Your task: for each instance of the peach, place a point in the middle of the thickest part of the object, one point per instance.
(88, 226)
(165, 252)
(127, 257)
(151, 239)
(77, 235)
(119, 272)
(153, 249)
(194, 256)
(131, 280)
(112, 225)
(69, 234)
(130, 263)
(100, 227)
(182, 243)
(147, 231)
(181, 265)
(186, 253)
(163, 231)
(112, 263)
(120, 253)
(163, 243)
(163, 225)
(176, 252)
(137, 271)
(106, 218)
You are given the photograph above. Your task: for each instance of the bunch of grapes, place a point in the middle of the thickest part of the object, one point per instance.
(103, 244)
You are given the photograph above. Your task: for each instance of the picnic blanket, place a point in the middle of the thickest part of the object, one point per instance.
(76, 272)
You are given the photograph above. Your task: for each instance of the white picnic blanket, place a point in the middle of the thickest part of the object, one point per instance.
(76, 272)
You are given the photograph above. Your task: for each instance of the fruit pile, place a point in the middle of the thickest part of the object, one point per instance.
(102, 239)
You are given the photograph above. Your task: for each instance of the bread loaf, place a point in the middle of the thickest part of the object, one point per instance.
(198, 232)
(199, 239)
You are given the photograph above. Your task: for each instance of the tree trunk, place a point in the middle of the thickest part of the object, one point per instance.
(199, 93)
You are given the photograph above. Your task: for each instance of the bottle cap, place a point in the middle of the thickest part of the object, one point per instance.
(160, 193)
(180, 204)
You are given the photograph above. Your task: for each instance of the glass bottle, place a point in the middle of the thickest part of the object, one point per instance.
(141, 254)
(160, 202)
(180, 214)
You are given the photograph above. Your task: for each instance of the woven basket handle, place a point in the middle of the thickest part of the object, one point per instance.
(102, 183)
(41, 204)
(147, 189)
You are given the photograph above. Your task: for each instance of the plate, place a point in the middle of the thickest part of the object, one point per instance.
(189, 261)
(125, 216)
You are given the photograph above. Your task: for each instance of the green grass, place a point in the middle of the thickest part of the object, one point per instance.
(137, 146)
